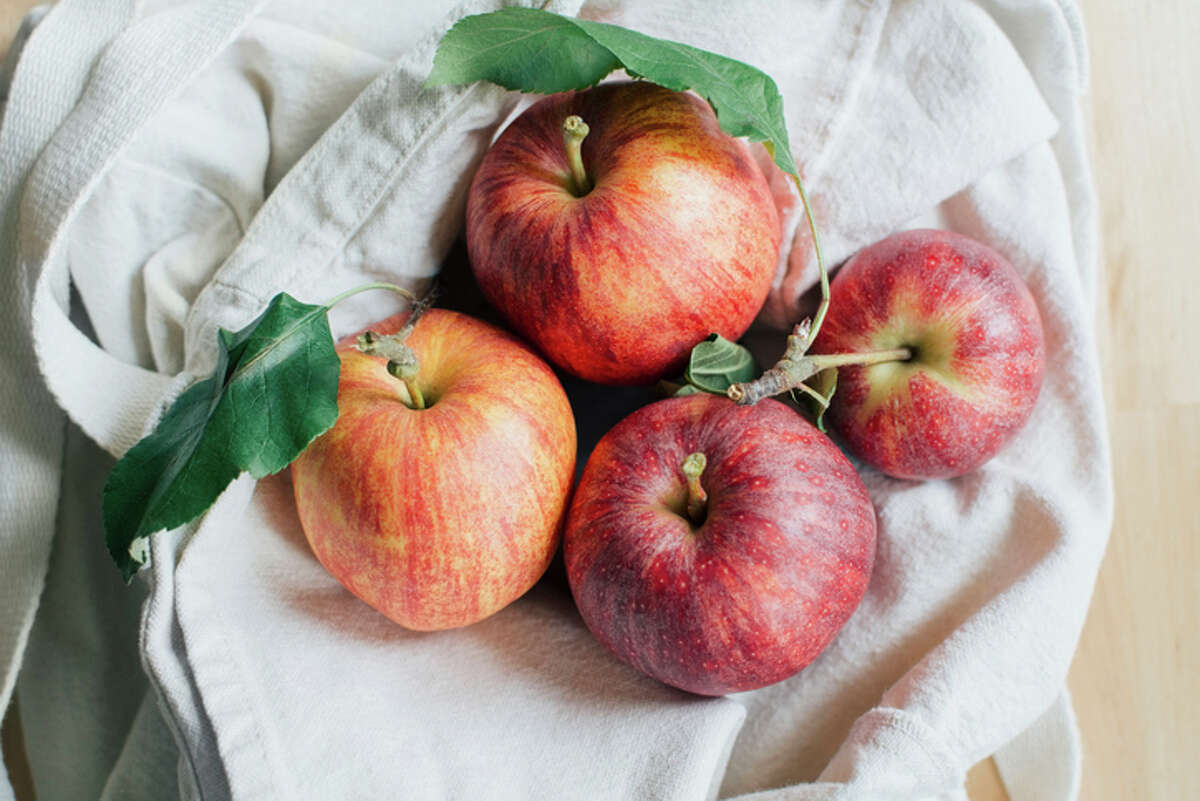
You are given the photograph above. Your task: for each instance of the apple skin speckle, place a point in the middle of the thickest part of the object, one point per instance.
(978, 361)
(760, 587)
(442, 516)
(678, 237)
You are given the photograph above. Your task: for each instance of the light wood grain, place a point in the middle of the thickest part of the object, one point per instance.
(1136, 678)
(11, 12)
(984, 783)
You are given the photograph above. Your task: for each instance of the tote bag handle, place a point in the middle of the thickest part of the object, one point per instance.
(145, 67)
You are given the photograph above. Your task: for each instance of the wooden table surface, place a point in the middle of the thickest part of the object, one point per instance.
(1136, 677)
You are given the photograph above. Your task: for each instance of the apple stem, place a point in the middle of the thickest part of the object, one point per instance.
(796, 367)
(406, 371)
(697, 498)
(823, 361)
(403, 363)
(575, 130)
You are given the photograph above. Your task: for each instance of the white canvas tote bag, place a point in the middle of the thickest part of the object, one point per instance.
(199, 158)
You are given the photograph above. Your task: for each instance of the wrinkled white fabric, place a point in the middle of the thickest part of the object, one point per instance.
(281, 147)
(38, 92)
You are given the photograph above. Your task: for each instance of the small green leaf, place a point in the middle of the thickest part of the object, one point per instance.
(274, 390)
(716, 364)
(537, 51)
(686, 389)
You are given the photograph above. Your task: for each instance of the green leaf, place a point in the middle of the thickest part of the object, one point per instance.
(716, 364)
(274, 390)
(537, 51)
(522, 49)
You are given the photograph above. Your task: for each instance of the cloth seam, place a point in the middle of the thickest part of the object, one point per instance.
(368, 199)
(232, 673)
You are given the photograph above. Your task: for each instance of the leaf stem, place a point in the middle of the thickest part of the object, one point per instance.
(575, 130)
(821, 400)
(697, 498)
(823, 308)
(399, 290)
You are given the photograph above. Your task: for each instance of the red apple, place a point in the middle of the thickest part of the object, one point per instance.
(440, 516)
(666, 234)
(751, 583)
(977, 354)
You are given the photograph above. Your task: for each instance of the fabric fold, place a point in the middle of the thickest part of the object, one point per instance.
(263, 173)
